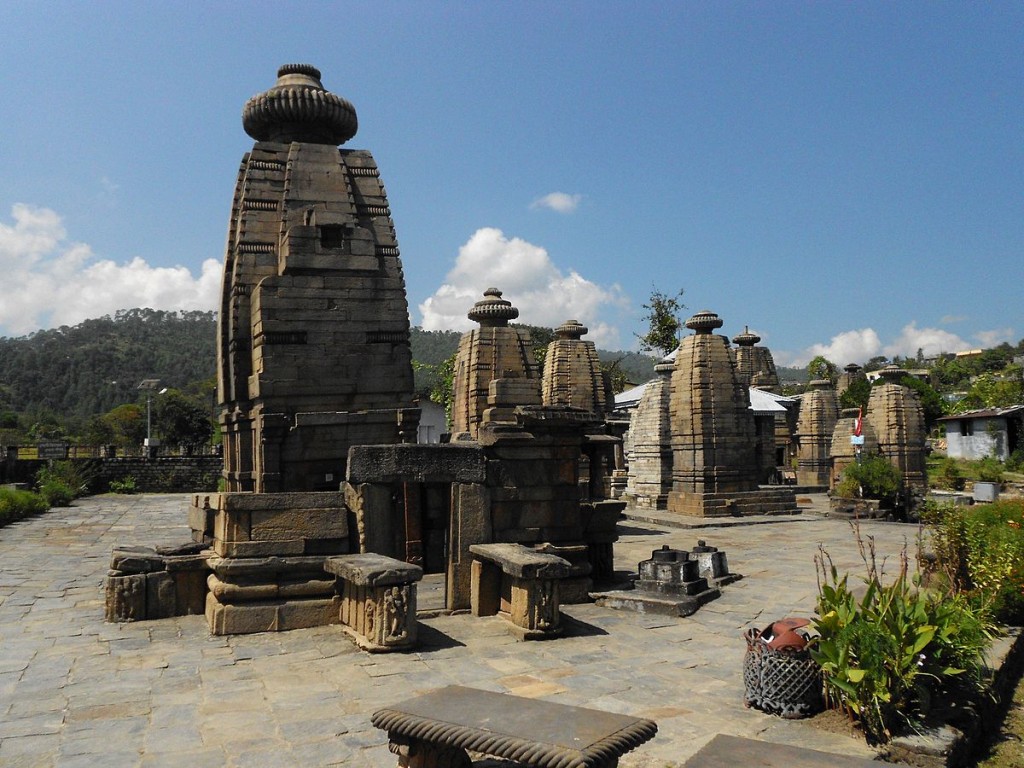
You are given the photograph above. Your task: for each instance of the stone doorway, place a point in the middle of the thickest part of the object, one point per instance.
(427, 537)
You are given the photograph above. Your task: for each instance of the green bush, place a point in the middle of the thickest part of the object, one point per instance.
(873, 477)
(886, 654)
(1016, 461)
(979, 552)
(56, 493)
(990, 470)
(63, 481)
(126, 484)
(949, 476)
(14, 505)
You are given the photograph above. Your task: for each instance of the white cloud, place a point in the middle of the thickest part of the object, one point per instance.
(560, 202)
(994, 337)
(51, 281)
(528, 278)
(849, 346)
(931, 341)
(860, 345)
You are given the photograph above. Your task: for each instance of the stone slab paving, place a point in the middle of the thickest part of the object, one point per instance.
(75, 690)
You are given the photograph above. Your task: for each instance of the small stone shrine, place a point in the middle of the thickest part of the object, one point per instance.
(897, 419)
(819, 411)
(493, 351)
(755, 365)
(673, 582)
(844, 451)
(650, 457)
(572, 372)
(715, 464)
(851, 373)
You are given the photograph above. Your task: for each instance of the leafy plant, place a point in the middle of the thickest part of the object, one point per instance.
(873, 477)
(885, 654)
(990, 470)
(14, 505)
(979, 552)
(126, 484)
(949, 475)
(663, 321)
(62, 482)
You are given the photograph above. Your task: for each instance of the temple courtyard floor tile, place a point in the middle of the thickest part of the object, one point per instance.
(75, 690)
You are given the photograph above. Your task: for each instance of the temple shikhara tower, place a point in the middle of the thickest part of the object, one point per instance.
(314, 329)
(715, 468)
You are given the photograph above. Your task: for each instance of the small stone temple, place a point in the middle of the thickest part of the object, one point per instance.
(649, 478)
(896, 417)
(755, 365)
(716, 466)
(494, 350)
(819, 411)
(572, 372)
(843, 451)
(851, 373)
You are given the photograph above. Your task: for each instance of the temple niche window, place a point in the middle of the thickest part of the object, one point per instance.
(332, 236)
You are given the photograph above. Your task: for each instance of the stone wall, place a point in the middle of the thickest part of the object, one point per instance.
(171, 474)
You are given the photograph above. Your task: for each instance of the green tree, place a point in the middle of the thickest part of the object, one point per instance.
(856, 395)
(931, 401)
(664, 323)
(822, 368)
(180, 420)
(443, 391)
(128, 423)
(989, 391)
(617, 376)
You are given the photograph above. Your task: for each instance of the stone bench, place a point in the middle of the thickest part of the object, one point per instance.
(436, 729)
(378, 600)
(521, 585)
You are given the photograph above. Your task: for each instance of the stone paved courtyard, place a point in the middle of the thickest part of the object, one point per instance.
(77, 691)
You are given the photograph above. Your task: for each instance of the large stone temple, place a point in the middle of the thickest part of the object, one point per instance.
(314, 324)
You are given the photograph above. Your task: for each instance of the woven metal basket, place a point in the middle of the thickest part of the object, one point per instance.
(785, 682)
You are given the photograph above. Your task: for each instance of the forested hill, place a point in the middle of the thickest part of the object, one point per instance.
(88, 369)
(91, 367)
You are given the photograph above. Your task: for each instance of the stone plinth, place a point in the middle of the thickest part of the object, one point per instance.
(819, 411)
(146, 583)
(378, 600)
(650, 459)
(313, 334)
(521, 585)
(669, 584)
(268, 574)
(715, 467)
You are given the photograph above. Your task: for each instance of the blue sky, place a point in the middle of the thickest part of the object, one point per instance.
(845, 178)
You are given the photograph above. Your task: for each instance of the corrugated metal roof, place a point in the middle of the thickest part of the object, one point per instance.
(984, 413)
(761, 401)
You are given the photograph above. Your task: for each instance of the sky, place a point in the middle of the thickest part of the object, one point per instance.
(846, 179)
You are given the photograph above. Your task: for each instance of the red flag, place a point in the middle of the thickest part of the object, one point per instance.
(858, 425)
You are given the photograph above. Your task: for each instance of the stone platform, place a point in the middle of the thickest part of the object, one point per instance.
(77, 691)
